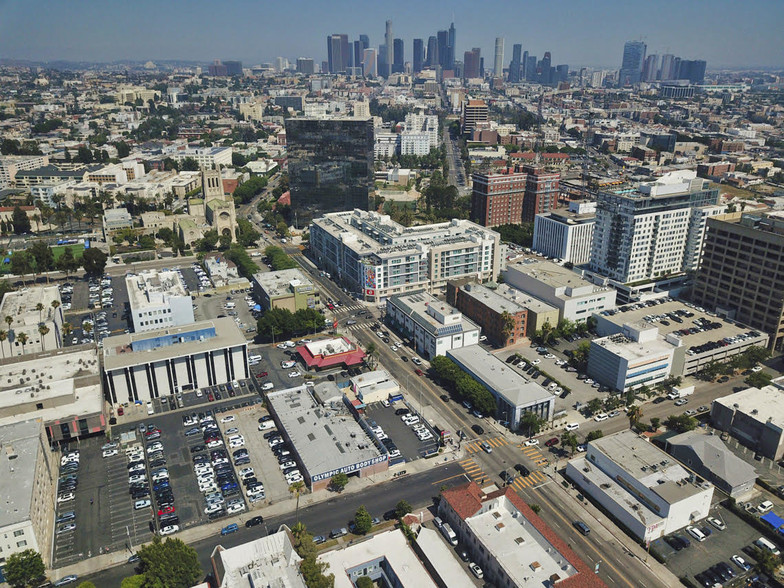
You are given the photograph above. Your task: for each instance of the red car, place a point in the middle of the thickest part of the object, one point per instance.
(262, 375)
(551, 442)
(418, 372)
(166, 510)
(210, 397)
(151, 432)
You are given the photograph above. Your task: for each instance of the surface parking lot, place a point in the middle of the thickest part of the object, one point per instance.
(719, 546)
(403, 436)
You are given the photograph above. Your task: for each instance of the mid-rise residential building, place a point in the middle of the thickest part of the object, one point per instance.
(640, 485)
(222, 270)
(510, 543)
(418, 122)
(741, 274)
(143, 366)
(330, 165)
(158, 299)
(386, 144)
(414, 143)
(503, 320)
(266, 561)
(206, 157)
(474, 113)
(755, 417)
(376, 257)
(11, 164)
(575, 297)
(434, 326)
(654, 231)
(634, 358)
(566, 234)
(290, 289)
(36, 320)
(513, 196)
(27, 490)
(541, 192)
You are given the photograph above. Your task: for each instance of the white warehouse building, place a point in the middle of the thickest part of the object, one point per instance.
(143, 366)
(640, 485)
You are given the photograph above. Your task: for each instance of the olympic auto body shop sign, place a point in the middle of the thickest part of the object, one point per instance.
(349, 469)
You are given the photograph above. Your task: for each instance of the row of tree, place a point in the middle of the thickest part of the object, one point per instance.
(279, 259)
(281, 322)
(463, 385)
(39, 258)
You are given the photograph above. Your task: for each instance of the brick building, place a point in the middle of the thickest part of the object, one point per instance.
(512, 196)
(487, 308)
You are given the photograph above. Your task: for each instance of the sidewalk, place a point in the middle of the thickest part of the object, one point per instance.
(280, 508)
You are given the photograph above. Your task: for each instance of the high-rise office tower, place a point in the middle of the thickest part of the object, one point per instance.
(383, 62)
(418, 58)
(474, 113)
(305, 65)
(397, 65)
(281, 63)
(432, 51)
(369, 69)
(665, 70)
(233, 68)
(330, 165)
(561, 73)
(651, 68)
(545, 75)
(443, 49)
(338, 53)
(530, 67)
(692, 70)
(498, 62)
(452, 47)
(359, 50)
(633, 60)
(389, 41)
(515, 65)
(471, 63)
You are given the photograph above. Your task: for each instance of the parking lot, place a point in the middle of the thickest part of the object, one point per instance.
(403, 436)
(720, 546)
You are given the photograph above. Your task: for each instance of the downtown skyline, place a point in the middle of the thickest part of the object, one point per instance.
(581, 35)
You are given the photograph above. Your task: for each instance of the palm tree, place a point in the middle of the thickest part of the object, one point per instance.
(3, 337)
(297, 488)
(634, 413)
(67, 329)
(87, 327)
(569, 439)
(44, 330)
(9, 319)
(55, 306)
(39, 307)
(22, 338)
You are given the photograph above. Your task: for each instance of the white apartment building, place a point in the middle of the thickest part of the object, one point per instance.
(566, 235)
(385, 144)
(575, 297)
(640, 485)
(158, 299)
(424, 123)
(413, 143)
(653, 232)
(697, 225)
(42, 328)
(206, 157)
(10, 164)
(433, 326)
(376, 257)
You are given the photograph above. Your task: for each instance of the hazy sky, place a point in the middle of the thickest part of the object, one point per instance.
(726, 33)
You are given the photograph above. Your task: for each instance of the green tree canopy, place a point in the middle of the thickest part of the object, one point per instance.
(521, 234)
(247, 235)
(758, 379)
(189, 164)
(169, 564)
(279, 260)
(20, 221)
(133, 582)
(531, 423)
(208, 242)
(455, 379)
(43, 256)
(94, 261)
(67, 263)
(248, 190)
(598, 434)
(402, 508)
(364, 582)
(24, 568)
(363, 521)
(21, 263)
(681, 423)
(338, 482)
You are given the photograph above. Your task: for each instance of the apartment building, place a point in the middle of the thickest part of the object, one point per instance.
(376, 257)
(566, 234)
(654, 231)
(474, 113)
(503, 320)
(513, 196)
(742, 271)
(206, 157)
(418, 122)
(11, 164)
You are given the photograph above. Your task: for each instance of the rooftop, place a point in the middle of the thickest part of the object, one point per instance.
(716, 456)
(327, 438)
(524, 299)
(330, 352)
(391, 546)
(493, 298)
(553, 275)
(267, 561)
(21, 306)
(20, 442)
(631, 350)
(499, 376)
(764, 405)
(153, 287)
(282, 282)
(436, 317)
(131, 349)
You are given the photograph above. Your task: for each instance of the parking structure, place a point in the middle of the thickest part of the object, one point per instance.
(410, 445)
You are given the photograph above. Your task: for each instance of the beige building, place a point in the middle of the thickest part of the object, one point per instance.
(31, 314)
(219, 207)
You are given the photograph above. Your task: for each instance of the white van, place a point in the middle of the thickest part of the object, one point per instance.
(765, 507)
(763, 543)
(230, 306)
(696, 533)
(254, 358)
(449, 534)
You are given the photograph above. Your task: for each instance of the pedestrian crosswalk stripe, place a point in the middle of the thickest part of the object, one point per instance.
(497, 441)
(467, 461)
(533, 479)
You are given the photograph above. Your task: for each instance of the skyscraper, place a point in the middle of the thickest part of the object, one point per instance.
(330, 165)
(515, 65)
(450, 61)
(530, 67)
(359, 50)
(692, 70)
(397, 64)
(633, 60)
(418, 57)
(443, 49)
(651, 68)
(498, 63)
(338, 53)
(432, 51)
(471, 63)
(383, 61)
(369, 69)
(389, 41)
(305, 65)
(665, 71)
(545, 75)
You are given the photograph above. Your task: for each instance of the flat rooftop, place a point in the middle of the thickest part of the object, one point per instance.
(416, 306)
(326, 438)
(442, 559)
(21, 306)
(282, 282)
(153, 287)
(501, 377)
(391, 546)
(764, 405)
(129, 349)
(649, 465)
(631, 350)
(493, 299)
(524, 299)
(657, 311)
(266, 561)
(20, 444)
(552, 274)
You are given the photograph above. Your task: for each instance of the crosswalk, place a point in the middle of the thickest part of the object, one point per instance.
(476, 445)
(474, 471)
(534, 454)
(533, 479)
(357, 327)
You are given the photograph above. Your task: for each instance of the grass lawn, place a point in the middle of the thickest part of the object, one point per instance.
(57, 251)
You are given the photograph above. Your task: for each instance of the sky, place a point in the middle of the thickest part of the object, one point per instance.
(726, 33)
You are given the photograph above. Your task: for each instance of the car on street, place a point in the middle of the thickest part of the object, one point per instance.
(252, 522)
(572, 426)
(582, 527)
(681, 401)
(169, 530)
(551, 442)
(600, 417)
(531, 442)
(486, 447)
(67, 580)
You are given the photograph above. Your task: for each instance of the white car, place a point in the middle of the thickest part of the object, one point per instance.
(229, 419)
(169, 530)
(235, 508)
(290, 344)
(717, 523)
(153, 447)
(231, 431)
(582, 448)
(246, 472)
(236, 444)
(160, 477)
(287, 364)
(136, 478)
(588, 381)
(140, 504)
(267, 386)
(214, 507)
(150, 409)
(536, 361)
(65, 497)
(214, 443)
(572, 426)
(266, 425)
(109, 452)
(287, 464)
(295, 374)
(756, 369)
(531, 442)
(600, 417)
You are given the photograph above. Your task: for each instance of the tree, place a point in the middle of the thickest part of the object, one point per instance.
(363, 522)
(133, 582)
(189, 164)
(123, 150)
(282, 229)
(594, 405)
(635, 414)
(24, 568)
(169, 563)
(297, 488)
(758, 379)
(364, 582)
(313, 573)
(44, 331)
(338, 482)
(67, 263)
(598, 434)
(94, 261)
(20, 221)
(579, 356)
(402, 508)
(531, 423)
(569, 439)
(3, 337)
(681, 423)
(86, 585)
(43, 256)
(22, 338)
(767, 562)
(655, 423)
(535, 508)
(507, 325)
